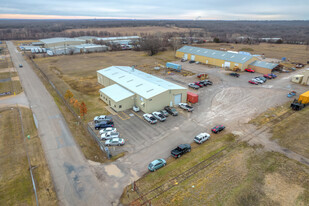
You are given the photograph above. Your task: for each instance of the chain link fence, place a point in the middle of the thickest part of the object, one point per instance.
(86, 127)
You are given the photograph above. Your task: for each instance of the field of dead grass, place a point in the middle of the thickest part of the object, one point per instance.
(15, 181)
(293, 52)
(129, 31)
(245, 176)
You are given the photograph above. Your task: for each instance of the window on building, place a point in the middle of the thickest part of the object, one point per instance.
(115, 105)
(120, 106)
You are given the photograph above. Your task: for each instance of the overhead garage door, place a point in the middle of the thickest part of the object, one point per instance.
(185, 56)
(177, 99)
(227, 64)
(192, 57)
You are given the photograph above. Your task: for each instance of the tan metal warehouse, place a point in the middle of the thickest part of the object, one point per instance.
(150, 93)
(305, 80)
(215, 57)
(263, 67)
(61, 42)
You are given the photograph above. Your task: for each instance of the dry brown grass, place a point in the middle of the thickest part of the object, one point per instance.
(240, 178)
(127, 31)
(295, 53)
(15, 181)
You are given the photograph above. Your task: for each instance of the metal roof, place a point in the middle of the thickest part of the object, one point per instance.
(60, 39)
(227, 56)
(89, 46)
(116, 92)
(118, 38)
(137, 81)
(266, 65)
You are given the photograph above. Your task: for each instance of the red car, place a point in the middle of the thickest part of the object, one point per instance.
(198, 84)
(201, 75)
(267, 76)
(253, 82)
(249, 70)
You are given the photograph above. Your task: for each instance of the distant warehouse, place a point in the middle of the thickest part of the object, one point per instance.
(263, 67)
(217, 58)
(61, 42)
(126, 87)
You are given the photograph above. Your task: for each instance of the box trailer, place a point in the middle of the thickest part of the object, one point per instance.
(192, 97)
(176, 67)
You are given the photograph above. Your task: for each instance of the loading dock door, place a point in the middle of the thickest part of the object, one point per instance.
(177, 99)
(185, 56)
(227, 64)
(192, 57)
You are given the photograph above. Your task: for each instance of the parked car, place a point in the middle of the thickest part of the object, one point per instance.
(198, 84)
(156, 164)
(258, 80)
(191, 61)
(202, 137)
(108, 129)
(217, 129)
(201, 75)
(183, 60)
(250, 70)
(171, 110)
(261, 78)
(272, 75)
(234, 74)
(197, 62)
(159, 116)
(185, 106)
(150, 118)
(102, 118)
(20, 65)
(180, 150)
(164, 112)
(253, 82)
(103, 124)
(194, 86)
(267, 76)
(136, 109)
(114, 142)
(206, 82)
(109, 135)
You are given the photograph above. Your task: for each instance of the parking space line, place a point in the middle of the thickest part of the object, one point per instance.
(125, 114)
(122, 117)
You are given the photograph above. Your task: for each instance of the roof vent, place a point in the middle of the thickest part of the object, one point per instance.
(122, 76)
(139, 85)
(130, 80)
(150, 90)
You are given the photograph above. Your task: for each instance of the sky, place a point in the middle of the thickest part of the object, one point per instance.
(156, 9)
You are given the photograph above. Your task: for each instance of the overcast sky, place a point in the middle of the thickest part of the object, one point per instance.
(158, 9)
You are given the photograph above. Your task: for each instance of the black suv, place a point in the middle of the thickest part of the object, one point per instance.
(104, 124)
(234, 74)
(217, 129)
(206, 82)
(180, 150)
(171, 110)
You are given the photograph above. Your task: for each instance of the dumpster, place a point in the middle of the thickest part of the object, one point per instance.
(192, 97)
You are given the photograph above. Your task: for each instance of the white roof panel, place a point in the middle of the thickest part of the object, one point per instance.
(116, 92)
(137, 81)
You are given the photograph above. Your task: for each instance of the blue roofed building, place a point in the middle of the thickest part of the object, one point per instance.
(222, 59)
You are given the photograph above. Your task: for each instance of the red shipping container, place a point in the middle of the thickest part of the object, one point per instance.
(192, 97)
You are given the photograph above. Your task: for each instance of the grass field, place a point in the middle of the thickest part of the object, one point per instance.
(244, 176)
(128, 31)
(293, 52)
(289, 128)
(78, 72)
(15, 181)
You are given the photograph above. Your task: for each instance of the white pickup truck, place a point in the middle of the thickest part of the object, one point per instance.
(109, 135)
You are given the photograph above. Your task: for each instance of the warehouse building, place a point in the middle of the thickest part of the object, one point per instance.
(127, 86)
(263, 67)
(217, 58)
(61, 42)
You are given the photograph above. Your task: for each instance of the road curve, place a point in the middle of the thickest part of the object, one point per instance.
(74, 180)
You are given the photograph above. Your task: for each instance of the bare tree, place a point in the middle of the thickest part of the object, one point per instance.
(151, 44)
